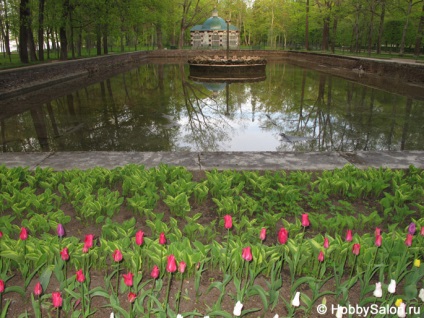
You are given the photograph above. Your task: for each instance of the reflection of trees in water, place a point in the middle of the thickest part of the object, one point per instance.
(207, 125)
(343, 116)
(139, 111)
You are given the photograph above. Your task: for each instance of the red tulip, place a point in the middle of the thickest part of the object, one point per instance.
(131, 297)
(283, 236)
(326, 243)
(377, 231)
(64, 254)
(378, 240)
(56, 299)
(38, 289)
(1, 286)
(356, 248)
(139, 237)
(247, 254)
(1, 234)
(182, 266)
(305, 220)
(128, 279)
(24, 234)
(88, 242)
(262, 235)
(117, 256)
(349, 236)
(80, 276)
(321, 256)
(171, 266)
(155, 272)
(162, 239)
(228, 221)
(408, 240)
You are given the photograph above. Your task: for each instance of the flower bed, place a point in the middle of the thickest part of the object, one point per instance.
(166, 241)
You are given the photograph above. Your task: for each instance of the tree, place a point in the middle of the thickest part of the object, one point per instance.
(24, 15)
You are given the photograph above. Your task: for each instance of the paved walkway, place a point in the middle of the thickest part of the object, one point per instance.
(218, 160)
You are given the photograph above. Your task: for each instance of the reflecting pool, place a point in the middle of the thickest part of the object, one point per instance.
(160, 108)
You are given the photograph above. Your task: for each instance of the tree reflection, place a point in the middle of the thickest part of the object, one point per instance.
(156, 107)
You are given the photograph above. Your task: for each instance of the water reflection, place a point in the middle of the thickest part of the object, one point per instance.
(159, 108)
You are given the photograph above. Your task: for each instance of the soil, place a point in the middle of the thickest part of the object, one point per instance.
(189, 302)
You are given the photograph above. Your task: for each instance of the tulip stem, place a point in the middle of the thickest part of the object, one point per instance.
(58, 312)
(117, 279)
(227, 261)
(179, 295)
(82, 300)
(353, 267)
(167, 293)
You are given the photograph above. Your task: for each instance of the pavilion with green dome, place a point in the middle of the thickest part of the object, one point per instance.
(213, 34)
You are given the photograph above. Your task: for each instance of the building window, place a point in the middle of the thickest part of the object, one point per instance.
(215, 39)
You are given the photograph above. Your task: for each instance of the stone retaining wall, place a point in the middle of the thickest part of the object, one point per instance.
(382, 73)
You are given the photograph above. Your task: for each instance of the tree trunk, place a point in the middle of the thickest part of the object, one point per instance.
(71, 27)
(24, 14)
(41, 30)
(62, 32)
(420, 33)
(325, 34)
(370, 29)
(405, 28)
(159, 36)
(307, 26)
(5, 30)
(105, 34)
(31, 45)
(99, 39)
(381, 26)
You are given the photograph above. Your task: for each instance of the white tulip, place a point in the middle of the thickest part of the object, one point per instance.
(401, 311)
(421, 294)
(206, 317)
(339, 313)
(378, 292)
(112, 315)
(179, 316)
(392, 287)
(276, 316)
(237, 309)
(296, 300)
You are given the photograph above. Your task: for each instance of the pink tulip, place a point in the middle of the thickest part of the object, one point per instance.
(117, 256)
(326, 243)
(1, 286)
(64, 254)
(88, 242)
(283, 236)
(262, 235)
(356, 248)
(131, 297)
(155, 272)
(305, 220)
(228, 221)
(321, 257)
(408, 240)
(378, 240)
(80, 276)
(422, 231)
(24, 234)
(162, 239)
(139, 237)
(181, 267)
(171, 266)
(1, 234)
(38, 289)
(247, 254)
(377, 231)
(56, 299)
(60, 230)
(128, 279)
(349, 236)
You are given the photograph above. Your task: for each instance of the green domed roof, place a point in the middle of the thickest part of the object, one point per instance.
(214, 23)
